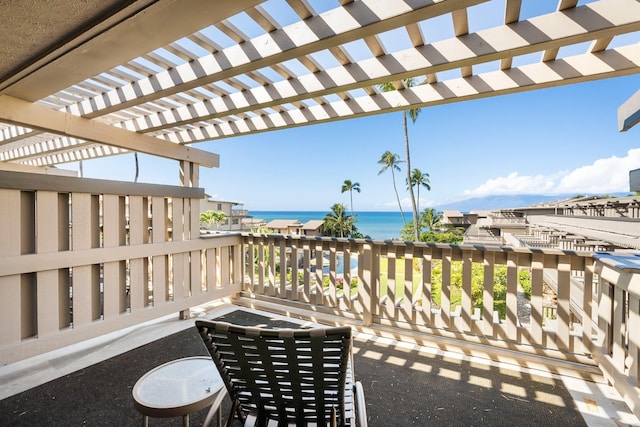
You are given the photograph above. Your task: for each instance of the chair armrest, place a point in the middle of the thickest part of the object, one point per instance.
(361, 407)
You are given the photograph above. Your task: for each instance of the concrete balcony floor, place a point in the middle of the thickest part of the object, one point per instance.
(405, 384)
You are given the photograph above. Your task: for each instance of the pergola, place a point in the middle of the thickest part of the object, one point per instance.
(81, 80)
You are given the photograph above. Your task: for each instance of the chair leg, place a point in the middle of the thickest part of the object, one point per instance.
(232, 413)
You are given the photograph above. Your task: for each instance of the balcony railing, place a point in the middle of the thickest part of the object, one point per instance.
(593, 314)
(81, 258)
(467, 292)
(498, 220)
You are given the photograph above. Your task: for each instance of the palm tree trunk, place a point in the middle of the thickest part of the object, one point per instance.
(135, 155)
(351, 196)
(411, 195)
(393, 175)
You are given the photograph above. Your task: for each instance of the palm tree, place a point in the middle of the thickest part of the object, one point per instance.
(337, 223)
(390, 161)
(212, 217)
(431, 219)
(206, 218)
(413, 113)
(350, 187)
(419, 179)
(219, 217)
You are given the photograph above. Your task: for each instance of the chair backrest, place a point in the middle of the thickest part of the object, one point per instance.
(295, 376)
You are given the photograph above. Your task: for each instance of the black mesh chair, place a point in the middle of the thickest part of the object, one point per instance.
(286, 377)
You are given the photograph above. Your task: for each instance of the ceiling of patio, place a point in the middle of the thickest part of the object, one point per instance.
(81, 80)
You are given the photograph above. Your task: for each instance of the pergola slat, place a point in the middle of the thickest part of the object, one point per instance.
(356, 21)
(611, 63)
(484, 46)
(216, 70)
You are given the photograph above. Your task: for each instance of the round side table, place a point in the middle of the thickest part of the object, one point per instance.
(179, 388)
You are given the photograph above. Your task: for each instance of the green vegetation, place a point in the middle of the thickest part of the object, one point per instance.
(431, 229)
(477, 283)
(499, 285)
(350, 187)
(338, 224)
(419, 179)
(212, 217)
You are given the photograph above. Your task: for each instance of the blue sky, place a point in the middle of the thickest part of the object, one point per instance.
(553, 141)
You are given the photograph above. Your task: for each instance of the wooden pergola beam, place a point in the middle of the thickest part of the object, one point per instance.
(34, 116)
(629, 113)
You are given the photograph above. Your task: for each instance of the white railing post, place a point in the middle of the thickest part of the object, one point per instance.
(13, 317)
(616, 348)
(55, 259)
(368, 289)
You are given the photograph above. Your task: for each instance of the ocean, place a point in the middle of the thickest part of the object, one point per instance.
(377, 225)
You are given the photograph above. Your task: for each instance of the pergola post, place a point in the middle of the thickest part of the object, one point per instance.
(190, 177)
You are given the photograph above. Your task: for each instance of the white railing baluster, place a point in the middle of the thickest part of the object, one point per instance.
(284, 265)
(564, 302)
(159, 268)
(512, 296)
(250, 282)
(85, 226)
(271, 268)
(317, 289)
(445, 296)
(426, 283)
(114, 273)
(537, 298)
(466, 297)
(634, 339)
(50, 294)
(14, 214)
(294, 270)
(390, 301)
(488, 294)
(138, 266)
(261, 266)
(347, 276)
(407, 298)
(306, 285)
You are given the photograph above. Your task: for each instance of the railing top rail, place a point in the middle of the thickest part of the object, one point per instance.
(401, 243)
(31, 182)
(629, 262)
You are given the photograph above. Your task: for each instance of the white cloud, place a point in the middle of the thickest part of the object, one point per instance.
(603, 176)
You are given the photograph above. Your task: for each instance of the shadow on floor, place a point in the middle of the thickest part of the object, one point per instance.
(403, 387)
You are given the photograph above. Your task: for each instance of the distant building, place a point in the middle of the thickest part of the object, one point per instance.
(236, 215)
(634, 180)
(582, 224)
(285, 226)
(314, 227)
(253, 224)
(458, 219)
